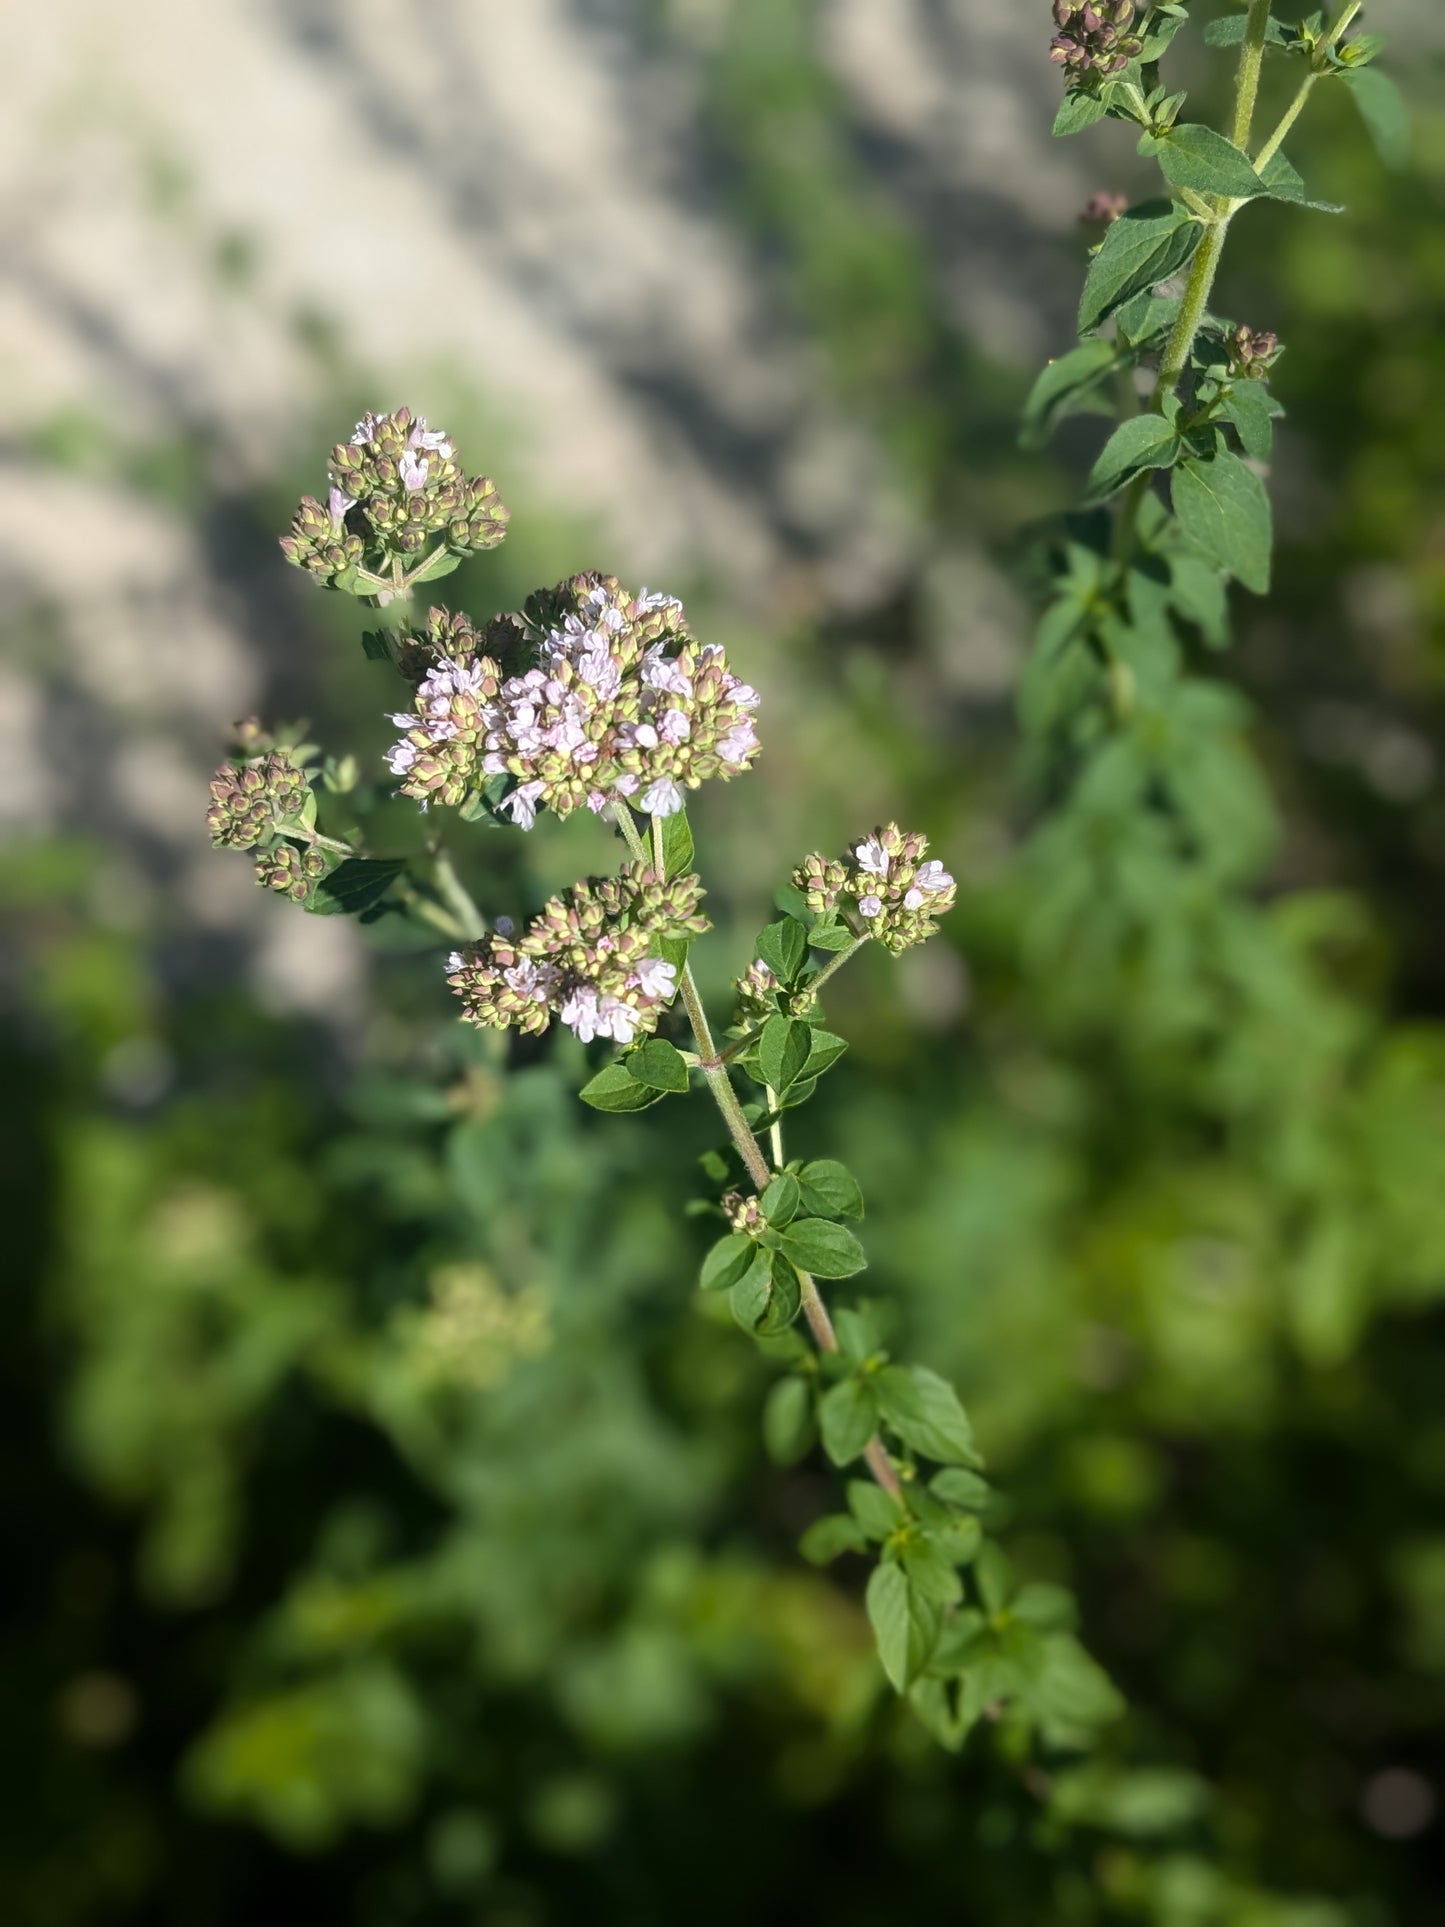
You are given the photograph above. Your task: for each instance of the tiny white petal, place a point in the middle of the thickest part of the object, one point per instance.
(870, 906)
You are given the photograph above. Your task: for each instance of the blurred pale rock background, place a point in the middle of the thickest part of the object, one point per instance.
(521, 196)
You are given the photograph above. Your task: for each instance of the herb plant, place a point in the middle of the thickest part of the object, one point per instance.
(594, 698)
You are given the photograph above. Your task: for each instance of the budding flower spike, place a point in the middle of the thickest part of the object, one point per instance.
(885, 884)
(1095, 37)
(400, 510)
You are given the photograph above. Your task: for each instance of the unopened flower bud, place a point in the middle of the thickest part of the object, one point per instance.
(1095, 37)
(249, 802)
(295, 873)
(744, 1213)
(1251, 353)
(1102, 210)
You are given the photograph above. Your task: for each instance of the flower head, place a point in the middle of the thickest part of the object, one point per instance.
(886, 881)
(395, 487)
(250, 800)
(1252, 353)
(589, 958)
(611, 697)
(1094, 37)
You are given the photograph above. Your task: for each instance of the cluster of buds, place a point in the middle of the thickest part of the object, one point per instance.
(587, 958)
(1102, 210)
(394, 487)
(757, 991)
(292, 871)
(1094, 37)
(617, 700)
(248, 802)
(744, 1212)
(1252, 353)
(886, 881)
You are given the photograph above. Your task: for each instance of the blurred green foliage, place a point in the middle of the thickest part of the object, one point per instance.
(393, 1538)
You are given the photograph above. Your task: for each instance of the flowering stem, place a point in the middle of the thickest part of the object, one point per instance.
(469, 917)
(724, 1096)
(1200, 285)
(837, 962)
(1307, 86)
(875, 1454)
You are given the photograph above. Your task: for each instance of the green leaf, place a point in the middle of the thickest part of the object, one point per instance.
(826, 1249)
(1144, 247)
(857, 1334)
(1197, 591)
(824, 1050)
(830, 1190)
(905, 1624)
(783, 946)
(356, 885)
(767, 1298)
(726, 1262)
(930, 1573)
(657, 1064)
(677, 845)
(1224, 513)
(824, 935)
(1197, 157)
(1383, 110)
(1064, 386)
(616, 1089)
(924, 1411)
(1050, 1609)
(788, 1428)
(439, 563)
(847, 1419)
(1076, 112)
(1252, 409)
(1146, 441)
(962, 1488)
(781, 1199)
(1284, 184)
(376, 645)
(876, 1511)
(1070, 1688)
(827, 1538)
(1229, 32)
(993, 1575)
(940, 1705)
(782, 1051)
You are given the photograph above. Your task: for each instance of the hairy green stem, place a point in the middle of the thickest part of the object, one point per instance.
(468, 916)
(1251, 59)
(836, 963)
(1306, 87)
(820, 1324)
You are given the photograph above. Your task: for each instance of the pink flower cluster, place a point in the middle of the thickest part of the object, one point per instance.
(895, 893)
(617, 700)
(586, 958)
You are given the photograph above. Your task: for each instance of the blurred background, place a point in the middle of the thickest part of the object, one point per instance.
(388, 1529)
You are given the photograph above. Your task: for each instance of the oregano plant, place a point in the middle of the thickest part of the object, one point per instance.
(599, 700)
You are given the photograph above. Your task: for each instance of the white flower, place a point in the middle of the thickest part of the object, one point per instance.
(597, 801)
(872, 858)
(617, 1020)
(913, 899)
(870, 906)
(579, 1012)
(338, 502)
(523, 804)
(662, 798)
(933, 876)
(674, 728)
(531, 980)
(455, 962)
(413, 470)
(656, 977)
(399, 758)
(739, 743)
(365, 431)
